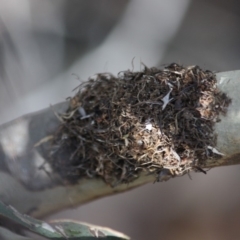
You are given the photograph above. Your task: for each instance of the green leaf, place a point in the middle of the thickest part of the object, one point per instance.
(61, 229)
(76, 230)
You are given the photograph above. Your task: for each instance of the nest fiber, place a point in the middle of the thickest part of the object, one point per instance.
(157, 120)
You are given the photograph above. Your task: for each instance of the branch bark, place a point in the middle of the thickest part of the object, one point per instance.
(28, 187)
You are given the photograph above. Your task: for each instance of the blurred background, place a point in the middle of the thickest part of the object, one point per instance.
(48, 47)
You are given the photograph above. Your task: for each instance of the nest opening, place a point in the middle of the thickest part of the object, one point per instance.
(157, 120)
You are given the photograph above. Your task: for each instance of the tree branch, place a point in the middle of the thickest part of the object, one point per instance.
(28, 183)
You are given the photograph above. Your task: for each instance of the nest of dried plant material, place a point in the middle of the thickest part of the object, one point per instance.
(158, 120)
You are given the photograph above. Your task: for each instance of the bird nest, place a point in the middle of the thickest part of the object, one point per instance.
(157, 120)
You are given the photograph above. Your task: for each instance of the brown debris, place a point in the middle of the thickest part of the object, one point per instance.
(160, 121)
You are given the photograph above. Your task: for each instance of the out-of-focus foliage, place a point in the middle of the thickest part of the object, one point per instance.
(59, 229)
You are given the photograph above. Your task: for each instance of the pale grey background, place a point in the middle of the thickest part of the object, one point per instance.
(43, 42)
